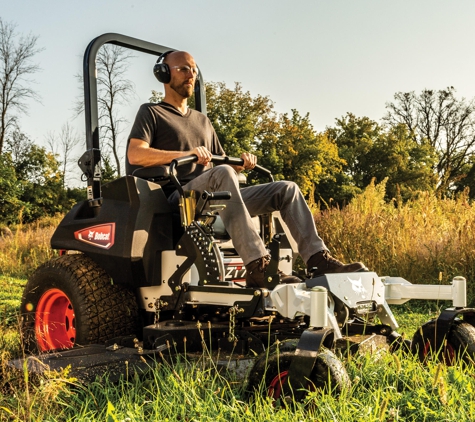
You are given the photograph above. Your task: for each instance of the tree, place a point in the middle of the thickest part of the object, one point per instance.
(407, 165)
(373, 151)
(468, 181)
(16, 65)
(241, 121)
(39, 190)
(444, 122)
(63, 147)
(354, 137)
(108, 173)
(10, 190)
(286, 145)
(297, 153)
(158, 96)
(113, 90)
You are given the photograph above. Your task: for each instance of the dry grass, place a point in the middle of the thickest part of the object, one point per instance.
(27, 247)
(426, 240)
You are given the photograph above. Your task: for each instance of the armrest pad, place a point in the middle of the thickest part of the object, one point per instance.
(155, 173)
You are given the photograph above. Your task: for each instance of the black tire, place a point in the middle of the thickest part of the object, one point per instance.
(287, 345)
(71, 301)
(459, 344)
(269, 374)
(255, 377)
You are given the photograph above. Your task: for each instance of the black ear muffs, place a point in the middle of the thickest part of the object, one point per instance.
(162, 70)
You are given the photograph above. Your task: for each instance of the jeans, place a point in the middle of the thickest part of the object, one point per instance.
(283, 196)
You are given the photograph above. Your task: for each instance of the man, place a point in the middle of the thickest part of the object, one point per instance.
(169, 130)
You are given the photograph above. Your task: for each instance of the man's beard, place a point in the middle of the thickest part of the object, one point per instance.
(185, 92)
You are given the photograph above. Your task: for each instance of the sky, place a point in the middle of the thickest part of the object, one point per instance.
(322, 57)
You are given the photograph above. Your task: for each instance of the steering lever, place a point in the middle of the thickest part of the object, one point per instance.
(208, 196)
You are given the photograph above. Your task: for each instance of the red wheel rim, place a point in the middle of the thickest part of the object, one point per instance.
(447, 355)
(275, 387)
(55, 324)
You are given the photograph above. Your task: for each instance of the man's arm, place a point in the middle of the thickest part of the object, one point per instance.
(139, 153)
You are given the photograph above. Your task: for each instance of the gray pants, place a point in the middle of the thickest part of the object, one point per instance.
(250, 201)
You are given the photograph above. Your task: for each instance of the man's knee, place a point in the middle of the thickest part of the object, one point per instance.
(288, 188)
(224, 175)
(224, 171)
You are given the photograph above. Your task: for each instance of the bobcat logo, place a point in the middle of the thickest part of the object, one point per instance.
(357, 286)
(101, 235)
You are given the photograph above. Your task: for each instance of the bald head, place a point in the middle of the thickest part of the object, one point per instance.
(176, 58)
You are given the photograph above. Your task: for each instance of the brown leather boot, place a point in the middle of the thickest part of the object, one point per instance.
(256, 274)
(323, 263)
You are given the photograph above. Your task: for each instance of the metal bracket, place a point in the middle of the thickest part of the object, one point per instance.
(208, 196)
(200, 249)
(90, 164)
(271, 273)
(305, 358)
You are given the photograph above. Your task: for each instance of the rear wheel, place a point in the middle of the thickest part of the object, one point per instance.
(270, 375)
(71, 301)
(458, 344)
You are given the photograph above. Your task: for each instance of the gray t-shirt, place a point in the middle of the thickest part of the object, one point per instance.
(162, 126)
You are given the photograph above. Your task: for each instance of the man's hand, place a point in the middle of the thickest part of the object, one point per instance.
(250, 160)
(204, 156)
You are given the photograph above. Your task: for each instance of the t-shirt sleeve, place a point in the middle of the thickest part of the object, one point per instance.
(144, 125)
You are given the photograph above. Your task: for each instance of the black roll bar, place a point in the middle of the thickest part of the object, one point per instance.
(90, 162)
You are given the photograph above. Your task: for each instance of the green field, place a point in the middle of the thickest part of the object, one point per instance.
(385, 387)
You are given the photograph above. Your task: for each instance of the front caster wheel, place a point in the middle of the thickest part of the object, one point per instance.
(458, 344)
(271, 375)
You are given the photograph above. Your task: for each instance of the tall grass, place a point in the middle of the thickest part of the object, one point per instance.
(426, 240)
(385, 387)
(27, 247)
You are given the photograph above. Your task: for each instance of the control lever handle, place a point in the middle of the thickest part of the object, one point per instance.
(207, 196)
(224, 195)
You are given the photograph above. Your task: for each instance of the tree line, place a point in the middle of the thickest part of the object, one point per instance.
(425, 142)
